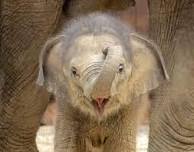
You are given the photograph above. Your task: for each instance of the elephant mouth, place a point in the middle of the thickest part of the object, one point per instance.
(99, 104)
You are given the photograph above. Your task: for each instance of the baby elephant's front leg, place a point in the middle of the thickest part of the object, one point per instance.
(121, 141)
(75, 133)
(117, 134)
(95, 144)
(122, 132)
(114, 143)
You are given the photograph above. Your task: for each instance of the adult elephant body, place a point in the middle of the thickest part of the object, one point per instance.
(172, 125)
(25, 26)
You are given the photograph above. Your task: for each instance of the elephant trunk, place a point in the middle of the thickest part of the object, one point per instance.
(102, 86)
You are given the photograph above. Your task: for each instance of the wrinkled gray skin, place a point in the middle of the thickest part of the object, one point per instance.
(172, 118)
(98, 70)
(24, 28)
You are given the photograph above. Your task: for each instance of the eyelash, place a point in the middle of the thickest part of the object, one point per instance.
(74, 72)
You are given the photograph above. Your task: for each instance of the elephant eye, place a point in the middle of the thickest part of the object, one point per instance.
(74, 72)
(121, 68)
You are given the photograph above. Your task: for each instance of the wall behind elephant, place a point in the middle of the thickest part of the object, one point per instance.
(136, 17)
(50, 114)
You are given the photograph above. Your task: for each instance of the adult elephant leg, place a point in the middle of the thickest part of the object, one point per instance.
(172, 118)
(173, 129)
(25, 26)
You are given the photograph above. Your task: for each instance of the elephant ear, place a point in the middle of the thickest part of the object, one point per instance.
(148, 65)
(50, 64)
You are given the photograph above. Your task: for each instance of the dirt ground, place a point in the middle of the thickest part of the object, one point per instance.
(45, 138)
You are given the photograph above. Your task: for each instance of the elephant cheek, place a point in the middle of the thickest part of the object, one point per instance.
(124, 93)
(114, 90)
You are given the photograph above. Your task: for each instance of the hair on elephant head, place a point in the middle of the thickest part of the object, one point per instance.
(100, 64)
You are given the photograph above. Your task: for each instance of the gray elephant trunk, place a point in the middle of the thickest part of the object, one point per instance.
(103, 83)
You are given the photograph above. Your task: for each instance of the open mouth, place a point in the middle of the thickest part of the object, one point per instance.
(99, 104)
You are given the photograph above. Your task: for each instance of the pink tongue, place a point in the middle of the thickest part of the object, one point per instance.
(100, 102)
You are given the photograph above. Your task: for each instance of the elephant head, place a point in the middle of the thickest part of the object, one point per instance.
(100, 65)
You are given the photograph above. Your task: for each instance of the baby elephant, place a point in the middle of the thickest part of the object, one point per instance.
(98, 69)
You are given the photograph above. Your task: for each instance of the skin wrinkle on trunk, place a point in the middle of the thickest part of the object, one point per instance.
(103, 83)
(172, 24)
(19, 93)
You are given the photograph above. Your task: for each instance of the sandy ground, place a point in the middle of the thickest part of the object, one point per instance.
(45, 138)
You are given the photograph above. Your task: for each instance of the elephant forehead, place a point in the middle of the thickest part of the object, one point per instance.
(87, 60)
(94, 43)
